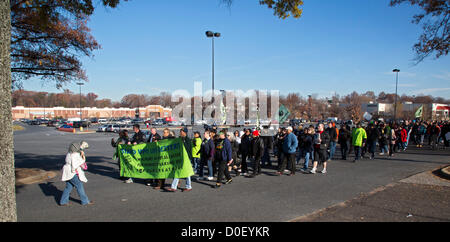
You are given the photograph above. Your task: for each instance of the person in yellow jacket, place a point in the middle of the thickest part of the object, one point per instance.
(196, 147)
(359, 137)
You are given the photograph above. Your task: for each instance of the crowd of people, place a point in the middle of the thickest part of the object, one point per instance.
(244, 152)
(223, 153)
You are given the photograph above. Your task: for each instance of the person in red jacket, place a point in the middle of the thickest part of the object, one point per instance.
(403, 137)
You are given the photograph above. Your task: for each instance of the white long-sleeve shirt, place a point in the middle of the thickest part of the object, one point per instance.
(73, 167)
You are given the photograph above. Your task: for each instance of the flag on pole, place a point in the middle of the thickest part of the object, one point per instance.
(419, 112)
(283, 114)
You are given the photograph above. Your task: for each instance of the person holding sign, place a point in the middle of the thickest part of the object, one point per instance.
(188, 146)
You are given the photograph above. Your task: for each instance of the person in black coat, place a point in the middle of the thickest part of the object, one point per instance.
(207, 155)
(245, 150)
(343, 140)
(154, 136)
(138, 137)
(257, 152)
(223, 158)
(268, 147)
(372, 136)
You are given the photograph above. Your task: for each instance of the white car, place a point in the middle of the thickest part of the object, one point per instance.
(102, 128)
(174, 123)
(113, 128)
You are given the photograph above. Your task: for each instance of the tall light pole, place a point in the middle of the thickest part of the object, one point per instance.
(396, 85)
(212, 35)
(80, 84)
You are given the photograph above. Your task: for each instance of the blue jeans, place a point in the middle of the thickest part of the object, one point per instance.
(176, 180)
(384, 149)
(266, 158)
(301, 154)
(357, 152)
(210, 169)
(332, 149)
(74, 182)
(197, 165)
(307, 155)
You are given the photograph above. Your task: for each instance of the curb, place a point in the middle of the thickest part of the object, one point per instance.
(445, 172)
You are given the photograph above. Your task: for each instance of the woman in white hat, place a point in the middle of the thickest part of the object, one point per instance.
(73, 173)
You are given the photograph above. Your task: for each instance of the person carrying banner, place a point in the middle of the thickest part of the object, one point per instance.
(187, 142)
(161, 182)
(123, 139)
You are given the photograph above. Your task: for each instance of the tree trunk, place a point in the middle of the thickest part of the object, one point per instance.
(7, 177)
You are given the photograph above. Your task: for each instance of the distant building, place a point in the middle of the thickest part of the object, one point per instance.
(151, 111)
(434, 111)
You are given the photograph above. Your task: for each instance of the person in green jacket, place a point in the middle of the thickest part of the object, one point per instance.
(359, 137)
(196, 146)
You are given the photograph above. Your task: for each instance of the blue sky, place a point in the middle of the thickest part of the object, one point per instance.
(336, 46)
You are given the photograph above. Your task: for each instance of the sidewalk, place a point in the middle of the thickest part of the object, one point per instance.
(424, 197)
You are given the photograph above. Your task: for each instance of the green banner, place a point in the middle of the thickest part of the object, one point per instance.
(158, 160)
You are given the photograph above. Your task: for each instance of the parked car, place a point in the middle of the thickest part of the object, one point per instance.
(126, 127)
(174, 123)
(113, 128)
(102, 128)
(53, 123)
(102, 121)
(84, 124)
(35, 122)
(66, 128)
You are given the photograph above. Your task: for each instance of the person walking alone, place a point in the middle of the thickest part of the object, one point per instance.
(73, 173)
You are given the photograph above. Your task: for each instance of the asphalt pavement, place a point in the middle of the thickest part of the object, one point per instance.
(264, 198)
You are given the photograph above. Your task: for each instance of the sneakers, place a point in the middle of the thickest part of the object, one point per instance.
(210, 178)
(303, 170)
(130, 180)
(229, 181)
(313, 171)
(324, 171)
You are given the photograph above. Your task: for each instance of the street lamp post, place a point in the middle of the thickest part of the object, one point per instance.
(396, 85)
(80, 84)
(211, 35)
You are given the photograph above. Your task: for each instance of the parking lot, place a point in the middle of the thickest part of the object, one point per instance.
(264, 198)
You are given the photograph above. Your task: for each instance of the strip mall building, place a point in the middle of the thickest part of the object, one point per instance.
(151, 111)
